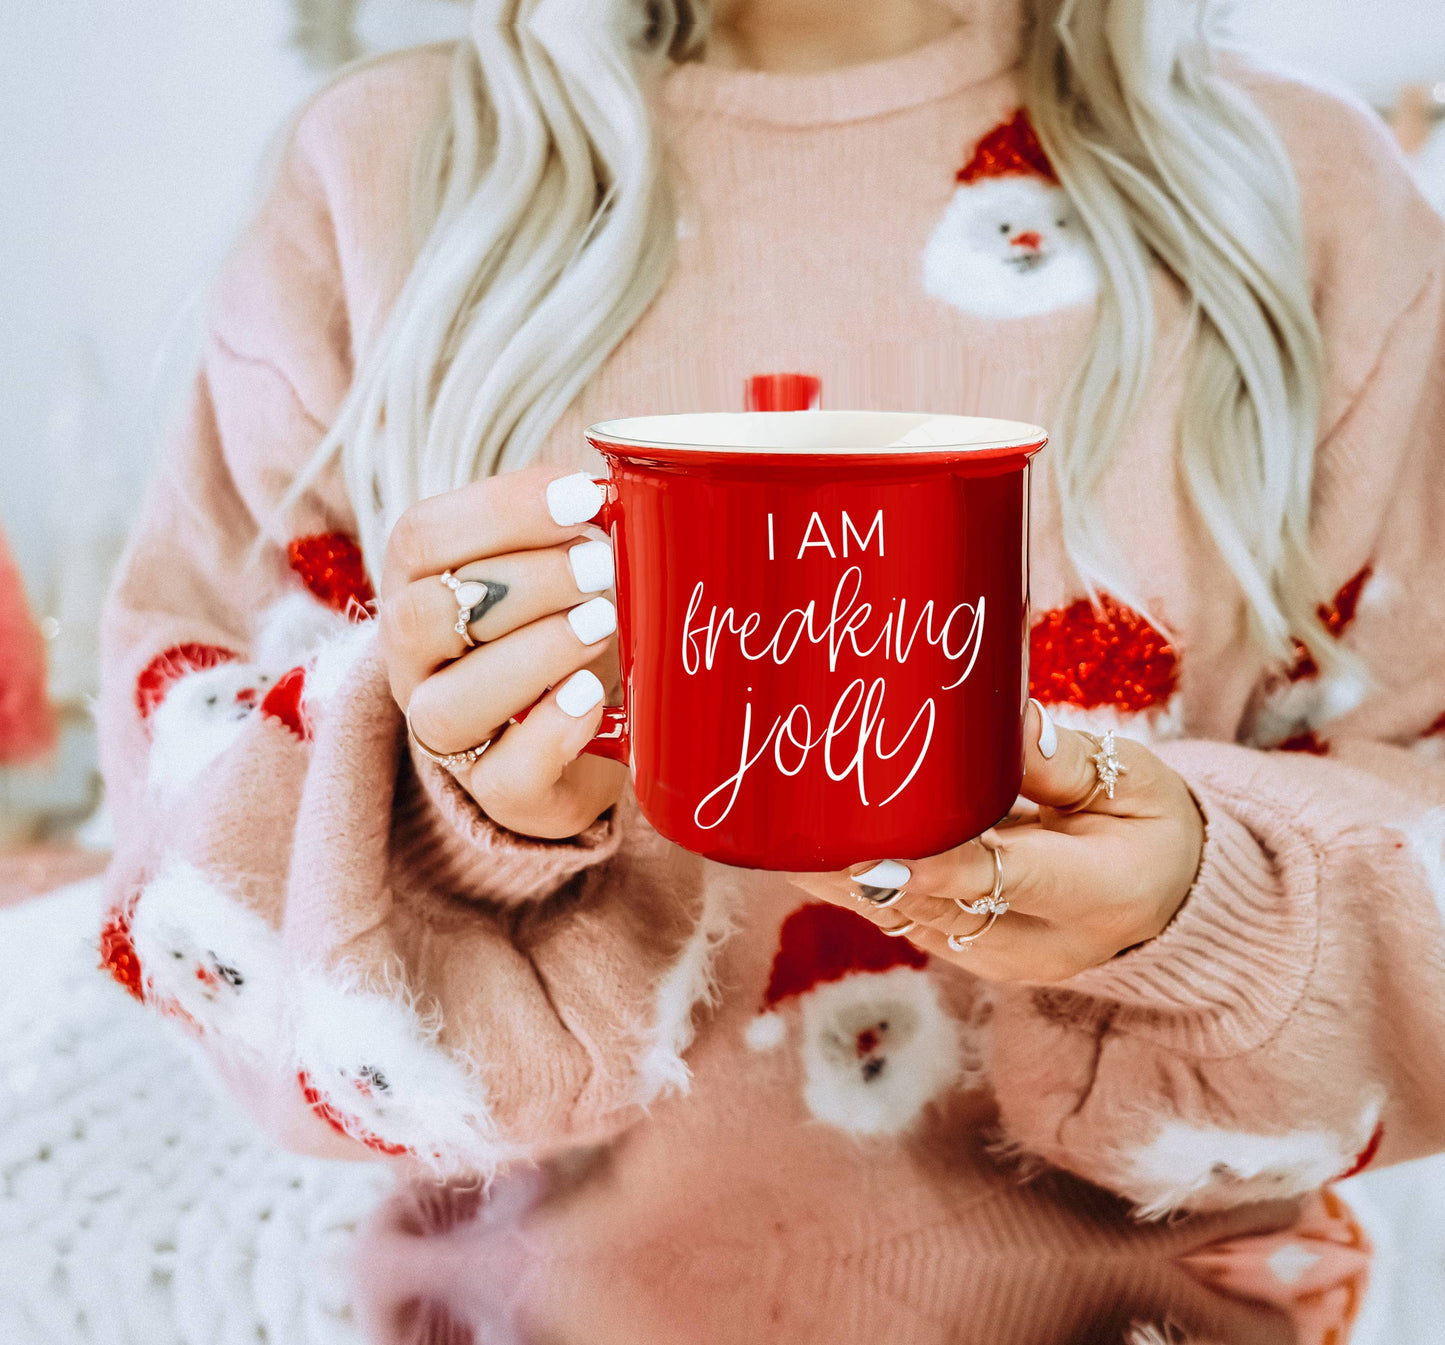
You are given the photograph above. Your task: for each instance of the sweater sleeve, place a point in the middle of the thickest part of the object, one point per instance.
(1288, 1026)
(371, 964)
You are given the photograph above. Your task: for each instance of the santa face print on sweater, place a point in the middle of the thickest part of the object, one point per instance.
(1010, 244)
(202, 714)
(876, 1043)
(372, 1067)
(192, 941)
(196, 699)
(207, 952)
(876, 1048)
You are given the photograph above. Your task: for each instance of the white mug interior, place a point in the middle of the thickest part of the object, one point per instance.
(840, 432)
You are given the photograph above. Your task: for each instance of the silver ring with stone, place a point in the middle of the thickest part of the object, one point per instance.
(1107, 770)
(473, 597)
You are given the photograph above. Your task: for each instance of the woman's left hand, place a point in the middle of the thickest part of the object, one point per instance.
(1081, 887)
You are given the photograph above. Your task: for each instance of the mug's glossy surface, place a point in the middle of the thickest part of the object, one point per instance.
(823, 633)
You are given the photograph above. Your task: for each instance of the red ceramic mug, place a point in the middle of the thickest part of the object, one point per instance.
(823, 629)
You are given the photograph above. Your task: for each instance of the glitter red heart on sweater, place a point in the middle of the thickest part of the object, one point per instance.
(330, 564)
(1093, 659)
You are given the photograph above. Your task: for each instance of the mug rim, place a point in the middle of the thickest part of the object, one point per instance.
(992, 437)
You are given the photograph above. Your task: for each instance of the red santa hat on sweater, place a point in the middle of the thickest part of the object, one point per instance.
(1105, 667)
(819, 943)
(1011, 149)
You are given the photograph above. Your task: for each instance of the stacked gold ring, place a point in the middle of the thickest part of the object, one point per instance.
(992, 906)
(962, 943)
(448, 760)
(907, 927)
(995, 901)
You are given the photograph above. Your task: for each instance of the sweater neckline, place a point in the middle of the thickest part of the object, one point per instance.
(983, 45)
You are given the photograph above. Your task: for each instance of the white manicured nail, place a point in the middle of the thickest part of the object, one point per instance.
(594, 620)
(592, 566)
(579, 693)
(573, 499)
(1048, 735)
(886, 873)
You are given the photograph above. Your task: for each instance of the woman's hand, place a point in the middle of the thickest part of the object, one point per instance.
(542, 628)
(1081, 887)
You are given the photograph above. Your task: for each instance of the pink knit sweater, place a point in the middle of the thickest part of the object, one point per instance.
(379, 969)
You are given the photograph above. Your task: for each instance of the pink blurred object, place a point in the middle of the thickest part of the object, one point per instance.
(1316, 1271)
(38, 869)
(27, 720)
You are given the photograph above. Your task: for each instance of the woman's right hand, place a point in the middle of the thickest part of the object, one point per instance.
(545, 631)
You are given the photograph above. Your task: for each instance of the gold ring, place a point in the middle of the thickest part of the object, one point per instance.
(907, 927)
(449, 760)
(965, 942)
(994, 903)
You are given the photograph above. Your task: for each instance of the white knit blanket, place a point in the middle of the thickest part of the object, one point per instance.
(138, 1206)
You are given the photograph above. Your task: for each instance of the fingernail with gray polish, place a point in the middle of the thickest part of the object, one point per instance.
(593, 621)
(592, 566)
(573, 499)
(1048, 735)
(885, 874)
(580, 693)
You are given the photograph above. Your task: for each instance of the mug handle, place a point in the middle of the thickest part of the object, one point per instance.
(613, 738)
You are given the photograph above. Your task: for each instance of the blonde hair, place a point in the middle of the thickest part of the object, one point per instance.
(546, 227)
(1163, 156)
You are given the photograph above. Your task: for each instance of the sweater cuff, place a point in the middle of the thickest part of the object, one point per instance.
(1233, 963)
(464, 851)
